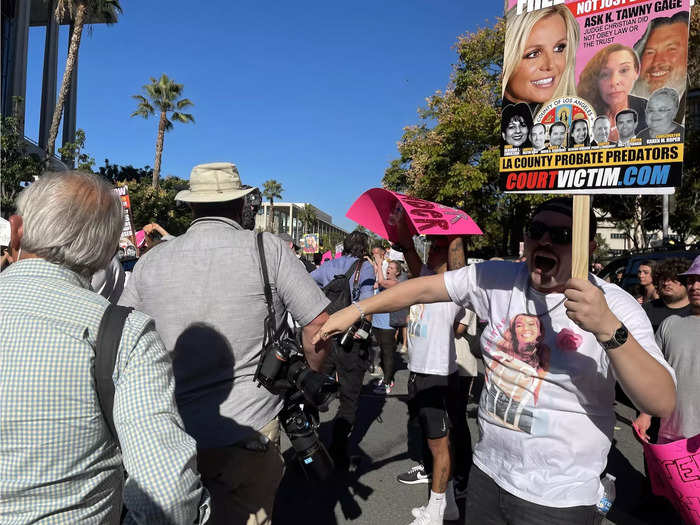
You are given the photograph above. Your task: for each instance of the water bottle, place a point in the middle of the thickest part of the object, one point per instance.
(606, 501)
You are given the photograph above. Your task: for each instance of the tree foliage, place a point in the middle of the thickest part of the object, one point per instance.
(16, 165)
(149, 204)
(271, 190)
(308, 217)
(162, 96)
(73, 155)
(452, 155)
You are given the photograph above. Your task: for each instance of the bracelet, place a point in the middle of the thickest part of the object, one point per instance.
(362, 312)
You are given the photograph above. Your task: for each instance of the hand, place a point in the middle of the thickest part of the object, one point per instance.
(642, 424)
(371, 261)
(337, 323)
(148, 229)
(586, 306)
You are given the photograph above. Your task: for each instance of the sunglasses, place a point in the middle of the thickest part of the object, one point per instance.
(558, 234)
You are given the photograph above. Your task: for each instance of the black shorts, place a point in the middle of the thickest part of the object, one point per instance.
(432, 399)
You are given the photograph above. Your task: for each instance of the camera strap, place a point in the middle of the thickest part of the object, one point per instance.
(270, 321)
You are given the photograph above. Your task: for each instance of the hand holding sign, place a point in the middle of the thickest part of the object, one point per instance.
(397, 217)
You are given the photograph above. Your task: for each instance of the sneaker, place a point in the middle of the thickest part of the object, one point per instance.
(423, 517)
(380, 387)
(389, 387)
(377, 372)
(451, 514)
(413, 476)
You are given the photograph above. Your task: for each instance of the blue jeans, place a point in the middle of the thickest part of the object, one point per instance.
(489, 504)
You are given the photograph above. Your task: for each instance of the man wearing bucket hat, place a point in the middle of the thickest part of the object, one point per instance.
(678, 338)
(205, 291)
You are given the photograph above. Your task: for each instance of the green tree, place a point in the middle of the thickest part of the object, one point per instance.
(72, 153)
(308, 217)
(80, 11)
(271, 190)
(162, 95)
(16, 165)
(452, 155)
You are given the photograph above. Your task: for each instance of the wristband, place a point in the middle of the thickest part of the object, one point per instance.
(362, 312)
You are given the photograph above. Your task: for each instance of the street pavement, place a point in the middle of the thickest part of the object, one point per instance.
(369, 493)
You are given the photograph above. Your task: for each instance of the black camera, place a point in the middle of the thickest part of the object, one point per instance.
(357, 332)
(282, 370)
(251, 204)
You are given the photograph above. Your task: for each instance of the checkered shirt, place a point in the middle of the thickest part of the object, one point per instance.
(58, 463)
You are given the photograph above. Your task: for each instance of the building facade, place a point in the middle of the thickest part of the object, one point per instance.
(286, 219)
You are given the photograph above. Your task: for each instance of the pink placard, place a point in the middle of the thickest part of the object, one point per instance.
(674, 472)
(381, 211)
(326, 257)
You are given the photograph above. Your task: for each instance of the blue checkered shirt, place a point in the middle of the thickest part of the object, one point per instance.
(58, 463)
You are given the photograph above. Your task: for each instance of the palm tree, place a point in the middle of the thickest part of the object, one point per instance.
(271, 190)
(162, 95)
(307, 216)
(80, 11)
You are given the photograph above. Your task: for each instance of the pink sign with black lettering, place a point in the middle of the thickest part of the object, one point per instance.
(674, 471)
(381, 211)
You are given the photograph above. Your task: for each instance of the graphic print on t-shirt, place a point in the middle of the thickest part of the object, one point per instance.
(417, 324)
(519, 361)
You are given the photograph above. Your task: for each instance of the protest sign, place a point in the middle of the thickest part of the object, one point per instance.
(674, 472)
(594, 96)
(593, 101)
(380, 211)
(4, 232)
(128, 234)
(309, 243)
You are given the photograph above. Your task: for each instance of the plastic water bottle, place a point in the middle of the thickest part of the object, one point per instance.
(608, 498)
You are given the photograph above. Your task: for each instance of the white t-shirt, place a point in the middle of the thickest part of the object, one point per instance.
(431, 338)
(546, 413)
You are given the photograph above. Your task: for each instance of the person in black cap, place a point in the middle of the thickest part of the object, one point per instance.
(545, 432)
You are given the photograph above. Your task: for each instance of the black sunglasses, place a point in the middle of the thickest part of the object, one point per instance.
(558, 234)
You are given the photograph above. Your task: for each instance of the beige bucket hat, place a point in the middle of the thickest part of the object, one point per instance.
(214, 182)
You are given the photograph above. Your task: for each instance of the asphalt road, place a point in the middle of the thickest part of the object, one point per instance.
(369, 493)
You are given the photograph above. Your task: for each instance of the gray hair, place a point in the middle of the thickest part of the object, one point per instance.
(71, 218)
(668, 92)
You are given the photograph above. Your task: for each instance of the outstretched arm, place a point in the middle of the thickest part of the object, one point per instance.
(430, 289)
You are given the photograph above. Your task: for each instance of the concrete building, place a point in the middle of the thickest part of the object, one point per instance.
(17, 17)
(285, 218)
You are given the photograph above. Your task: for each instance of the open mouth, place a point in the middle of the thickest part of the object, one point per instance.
(545, 263)
(658, 74)
(543, 82)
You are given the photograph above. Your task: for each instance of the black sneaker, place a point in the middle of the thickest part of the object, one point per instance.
(414, 476)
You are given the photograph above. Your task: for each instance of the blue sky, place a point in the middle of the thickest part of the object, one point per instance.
(312, 94)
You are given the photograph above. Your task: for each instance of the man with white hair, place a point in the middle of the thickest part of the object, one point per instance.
(58, 459)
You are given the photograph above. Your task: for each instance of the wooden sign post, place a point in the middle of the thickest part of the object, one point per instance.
(579, 241)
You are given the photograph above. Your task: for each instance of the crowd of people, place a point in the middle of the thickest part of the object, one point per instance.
(196, 440)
